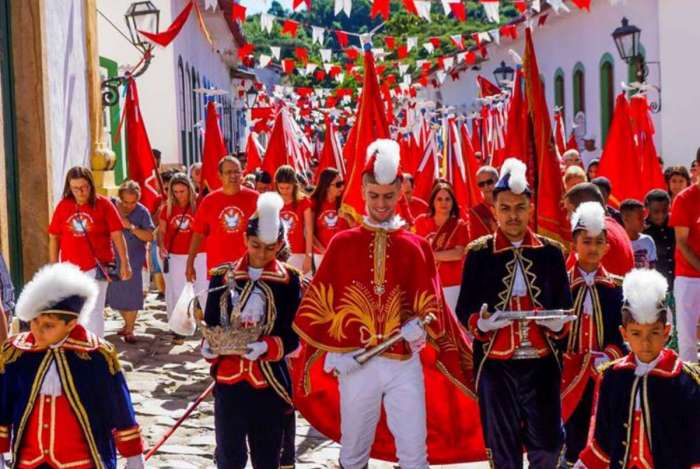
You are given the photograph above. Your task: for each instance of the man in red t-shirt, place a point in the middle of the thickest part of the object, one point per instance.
(416, 205)
(222, 218)
(619, 259)
(685, 219)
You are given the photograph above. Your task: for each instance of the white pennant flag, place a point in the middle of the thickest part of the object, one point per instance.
(411, 42)
(403, 68)
(558, 5)
(419, 63)
(365, 39)
(441, 76)
(317, 35)
(449, 62)
(379, 54)
(423, 9)
(536, 5)
(496, 35)
(326, 55)
(344, 6)
(484, 37)
(210, 4)
(340, 77)
(461, 57)
(327, 67)
(311, 68)
(264, 60)
(429, 47)
(407, 80)
(266, 22)
(491, 10)
(276, 51)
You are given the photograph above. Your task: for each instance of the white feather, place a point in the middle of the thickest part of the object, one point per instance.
(517, 170)
(644, 290)
(590, 216)
(386, 166)
(269, 206)
(53, 283)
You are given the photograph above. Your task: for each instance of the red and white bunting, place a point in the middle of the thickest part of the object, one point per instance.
(317, 35)
(411, 42)
(423, 8)
(491, 9)
(458, 41)
(276, 52)
(558, 6)
(266, 22)
(343, 5)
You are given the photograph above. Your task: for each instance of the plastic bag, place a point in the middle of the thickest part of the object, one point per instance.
(182, 319)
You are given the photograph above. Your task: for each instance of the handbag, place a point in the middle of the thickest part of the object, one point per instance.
(166, 260)
(105, 271)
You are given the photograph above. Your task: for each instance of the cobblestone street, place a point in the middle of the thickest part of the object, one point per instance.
(165, 378)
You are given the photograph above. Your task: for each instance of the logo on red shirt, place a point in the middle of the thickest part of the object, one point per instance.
(290, 221)
(184, 222)
(231, 218)
(329, 219)
(79, 223)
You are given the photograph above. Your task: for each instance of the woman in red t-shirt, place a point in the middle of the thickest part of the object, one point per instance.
(297, 218)
(448, 236)
(326, 199)
(175, 229)
(83, 227)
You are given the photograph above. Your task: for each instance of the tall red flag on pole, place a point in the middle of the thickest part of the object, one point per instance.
(331, 154)
(518, 128)
(214, 149)
(652, 171)
(141, 164)
(283, 147)
(253, 152)
(550, 215)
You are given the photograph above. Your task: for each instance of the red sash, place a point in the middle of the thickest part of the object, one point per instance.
(444, 234)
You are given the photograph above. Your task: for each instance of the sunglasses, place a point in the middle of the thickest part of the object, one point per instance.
(487, 182)
(339, 184)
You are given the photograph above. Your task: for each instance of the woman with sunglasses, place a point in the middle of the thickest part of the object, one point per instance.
(448, 235)
(326, 199)
(297, 218)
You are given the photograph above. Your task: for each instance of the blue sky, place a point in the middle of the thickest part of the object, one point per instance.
(256, 6)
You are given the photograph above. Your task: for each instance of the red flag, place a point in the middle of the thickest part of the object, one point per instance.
(283, 147)
(319, 75)
(302, 54)
(288, 66)
(517, 133)
(652, 171)
(342, 37)
(390, 42)
(238, 12)
(352, 53)
(486, 88)
(582, 4)
(521, 5)
(214, 149)
(456, 170)
(253, 151)
(245, 50)
(141, 163)
(410, 7)
(559, 133)
(435, 41)
(290, 27)
(459, 11)
(471, 166)
(428, 167)
(571, 144)
(380, 7)
(331, 154)
(296, 3)
(370, 125)
(550, 216)
(510, 31)
(542, 20)
(167, 36)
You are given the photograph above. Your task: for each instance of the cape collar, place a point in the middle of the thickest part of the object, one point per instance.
(79, 340)
(393, 224)
(275, 271)
(501, 243)
(667, 366)
(602, 276)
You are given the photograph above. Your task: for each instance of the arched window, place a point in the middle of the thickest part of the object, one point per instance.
(607, 93)
(189, 122)
(182, 115)
(579, 88)
(195, 118)
(559, 93)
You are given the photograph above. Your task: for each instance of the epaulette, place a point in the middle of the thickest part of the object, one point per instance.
(221, 269)
(479, 243)
(607, 365)
(616, 279)
(293, 270)
(551, 242)
(693, 370)
(8, 354)
(109, 352)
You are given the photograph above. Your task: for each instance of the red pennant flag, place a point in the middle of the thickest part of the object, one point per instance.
(320, 75)
(331, 101)
(381, 69)
(441, 62)
(571, 144)
(213, 150)
(253, 151)
(283, 147)
(410, 7)
(390, 42)
(583, 4)
(427, 66)
(459, 11)
(342, 37)
(352, 53)
(304, 91)
(380, 7)
(402, 52)
(290, 27)
(141, 163)
(296, 3)
(349, 67)
(510, 31)
(435, 41)
(486, 88)
(335, 71)
(521, 5)
(542, 20)
(551, 218)
(302, 54)
(288, 66)
(167, 36)
(470, 59)
(457, 40)
(559, 133)
(454, 75)
(331, 154)
(471, 166)
(245, 50)
(427, 169)
(238, 12)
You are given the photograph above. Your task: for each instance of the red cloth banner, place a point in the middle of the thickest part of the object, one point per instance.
(214, 149)
(167, 36)
(459, 11)
(290, 27)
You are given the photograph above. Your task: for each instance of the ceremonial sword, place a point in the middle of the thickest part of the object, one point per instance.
(536, 315)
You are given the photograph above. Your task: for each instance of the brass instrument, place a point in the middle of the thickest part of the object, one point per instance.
(366, 355)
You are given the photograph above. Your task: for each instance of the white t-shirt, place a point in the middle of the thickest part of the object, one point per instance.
(644, 251)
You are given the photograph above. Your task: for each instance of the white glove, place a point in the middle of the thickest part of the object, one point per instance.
(554, 325)
(206, 351)
(599, 358)
(255, 350)
(580, 465)
(413, 331)
(492, 323)
(343, 363)
(254, 309)
(135, 462)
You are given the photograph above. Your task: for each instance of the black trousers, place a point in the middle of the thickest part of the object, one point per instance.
(520, 408)
(578, 424)
(242, 412)
(288, 458)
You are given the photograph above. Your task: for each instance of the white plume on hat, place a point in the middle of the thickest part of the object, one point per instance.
(388, 154)
(517, 170)
(53, 283)
(269, 206)
(644, 290)
(589, 216)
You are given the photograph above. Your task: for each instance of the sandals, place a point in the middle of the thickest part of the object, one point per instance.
(129, 338)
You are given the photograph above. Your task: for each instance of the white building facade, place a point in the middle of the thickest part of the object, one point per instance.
(582, 70)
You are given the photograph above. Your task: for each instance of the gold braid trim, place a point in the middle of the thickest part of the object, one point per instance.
(693, 370)
(110, 355)
(8, 354)
(307, 370)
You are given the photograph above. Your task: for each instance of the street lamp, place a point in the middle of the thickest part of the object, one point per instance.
(140, 16)
(251, 96)
(504, 74)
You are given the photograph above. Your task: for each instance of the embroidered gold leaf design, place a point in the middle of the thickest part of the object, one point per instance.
(318, 307)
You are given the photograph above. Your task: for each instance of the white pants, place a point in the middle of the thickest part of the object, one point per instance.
(95, 320)
(451, 296)
(175, 280)
(686, 291)
(399, 384)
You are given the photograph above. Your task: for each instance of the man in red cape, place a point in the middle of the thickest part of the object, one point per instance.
(378, 280)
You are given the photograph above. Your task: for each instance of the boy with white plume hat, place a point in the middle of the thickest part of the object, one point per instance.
(63, 398)
(595, 335)
(647, 404)
(253, 392)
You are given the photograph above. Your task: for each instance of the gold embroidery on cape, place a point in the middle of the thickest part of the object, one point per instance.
(380, 244)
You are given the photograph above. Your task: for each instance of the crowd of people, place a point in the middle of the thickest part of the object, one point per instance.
(318, 282)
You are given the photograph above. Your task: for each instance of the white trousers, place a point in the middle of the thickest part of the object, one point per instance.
(95, 320)
(399, 384)
(175, 280)
(686, 291)
(451, 296)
